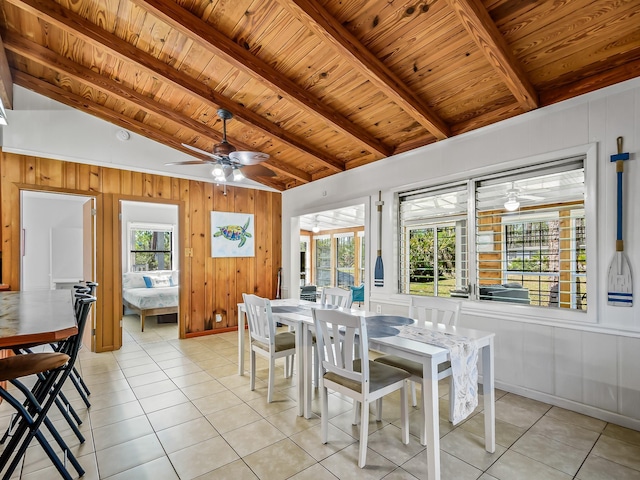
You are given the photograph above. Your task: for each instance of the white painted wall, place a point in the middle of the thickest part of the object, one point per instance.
(592, 368)
(41, 213)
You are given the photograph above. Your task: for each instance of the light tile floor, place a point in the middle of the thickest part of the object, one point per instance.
(164, 408)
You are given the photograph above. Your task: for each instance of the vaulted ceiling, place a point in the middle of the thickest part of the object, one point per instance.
(321, 86)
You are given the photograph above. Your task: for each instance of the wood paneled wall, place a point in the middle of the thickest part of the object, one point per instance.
(208, 286)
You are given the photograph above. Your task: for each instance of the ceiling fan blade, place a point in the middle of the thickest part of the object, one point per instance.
(193, 162)
(530, 197)
(257, 171)
(248, 158)
(201, 152)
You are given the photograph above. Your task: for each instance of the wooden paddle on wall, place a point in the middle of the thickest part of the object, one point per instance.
(378, 272)
(620, 282)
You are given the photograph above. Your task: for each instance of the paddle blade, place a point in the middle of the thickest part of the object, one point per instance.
(620, 282)
(378, 273)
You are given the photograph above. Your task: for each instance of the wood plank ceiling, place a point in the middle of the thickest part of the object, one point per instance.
(321, 86)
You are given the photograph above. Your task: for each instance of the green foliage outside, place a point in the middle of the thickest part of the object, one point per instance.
(537, 263)
(421, 253)
(151, 248)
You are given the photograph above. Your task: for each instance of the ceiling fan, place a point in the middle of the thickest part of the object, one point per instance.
(513, 197)
(230, 164)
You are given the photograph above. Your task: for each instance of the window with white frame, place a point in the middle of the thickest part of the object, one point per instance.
(305, 260)
(433, 244)
(361, 256)
(531, 236)
(150, 247)
(322, 260)
(526, 226)
(345, 259)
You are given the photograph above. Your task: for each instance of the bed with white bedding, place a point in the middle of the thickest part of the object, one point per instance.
(151, 293)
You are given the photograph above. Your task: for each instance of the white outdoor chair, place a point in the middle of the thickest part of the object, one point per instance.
(265, 341)
(435, 310)
(339, 336)
(336, 296)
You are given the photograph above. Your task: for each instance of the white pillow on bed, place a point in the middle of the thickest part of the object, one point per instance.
(156, 281)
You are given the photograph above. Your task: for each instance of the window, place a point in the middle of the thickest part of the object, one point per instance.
(433, 251)
(345, 260)
(528, 230)
(322, 264)
(305, 260)
(536, 220)
(150, 247)
(361, 257)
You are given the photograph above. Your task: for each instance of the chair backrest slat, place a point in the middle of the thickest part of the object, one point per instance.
(336, 296)
(341, 338)
(259, 319)
(434, 309)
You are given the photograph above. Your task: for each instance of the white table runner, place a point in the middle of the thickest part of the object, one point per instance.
(464, 366)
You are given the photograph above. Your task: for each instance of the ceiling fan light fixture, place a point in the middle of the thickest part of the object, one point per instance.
(315, 229)
(218, 171)
(512, 204)
(237, 175)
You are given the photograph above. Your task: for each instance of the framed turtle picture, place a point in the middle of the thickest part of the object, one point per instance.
(232, 235)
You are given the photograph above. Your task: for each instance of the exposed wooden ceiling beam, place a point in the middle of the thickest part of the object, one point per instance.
(6, 83)
(478, 23)
(610, 77)
(193, 27)
(317, 19)
(79, 27)
(414, 143)
(43, 56)
(75, 101)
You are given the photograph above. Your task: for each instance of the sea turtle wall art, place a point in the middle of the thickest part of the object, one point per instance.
(232, 234)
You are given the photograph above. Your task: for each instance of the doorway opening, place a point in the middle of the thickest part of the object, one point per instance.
(333, 252)
(57, 243)
(150, 271)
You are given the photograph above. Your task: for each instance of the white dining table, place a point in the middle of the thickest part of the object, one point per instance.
(430, 356)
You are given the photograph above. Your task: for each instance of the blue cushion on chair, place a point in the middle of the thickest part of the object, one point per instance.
(357, 293)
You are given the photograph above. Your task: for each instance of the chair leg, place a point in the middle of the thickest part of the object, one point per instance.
(379, 409)
(288, 366)
(316, 368)
(404, 413)
(324, 414)
(356, 412)
(76, 379)
(413, 393)
(252, 370)
(81, 381)
(65, 413)
(272, 367)
(364, 434)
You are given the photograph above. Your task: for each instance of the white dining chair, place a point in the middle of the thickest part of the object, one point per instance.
(266, 342)
(346, 369)
(336, 296)
(427, 309)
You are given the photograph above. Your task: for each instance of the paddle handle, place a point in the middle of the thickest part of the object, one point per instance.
(379, 205)
(619, 170)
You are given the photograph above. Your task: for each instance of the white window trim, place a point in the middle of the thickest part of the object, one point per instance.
(156, 227)
(529, 313)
